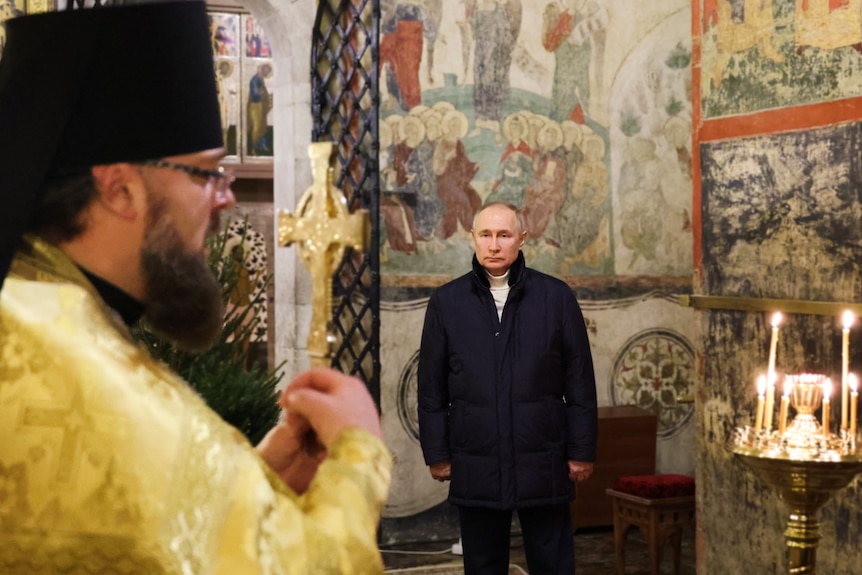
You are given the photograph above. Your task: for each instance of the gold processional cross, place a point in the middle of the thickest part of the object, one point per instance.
(324, 228)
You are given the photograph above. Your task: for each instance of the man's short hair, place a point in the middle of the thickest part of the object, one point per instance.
(522, 225)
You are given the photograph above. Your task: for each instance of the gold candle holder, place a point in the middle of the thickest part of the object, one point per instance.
(806, 396)
(805, 462)
(804, 485)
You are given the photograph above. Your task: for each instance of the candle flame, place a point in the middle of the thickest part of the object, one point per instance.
(852, 382)
(827, 389)
(848, 318)
(761, 385)
(776, 319)
(788, 386)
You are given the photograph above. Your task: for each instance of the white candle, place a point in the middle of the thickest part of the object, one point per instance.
(770, 374)
(770, 404)
(827, 391)
(847, 320)
(761, 390)
(853, 383)
(785, 401)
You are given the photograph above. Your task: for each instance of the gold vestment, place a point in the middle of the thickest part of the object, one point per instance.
(110, 463)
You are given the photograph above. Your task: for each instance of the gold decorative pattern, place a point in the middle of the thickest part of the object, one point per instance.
(110, 464)
(324, 229)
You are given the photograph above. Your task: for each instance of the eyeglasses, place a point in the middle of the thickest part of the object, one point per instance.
(220, 179)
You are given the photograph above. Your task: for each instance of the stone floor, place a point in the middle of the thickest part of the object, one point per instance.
(594, 554)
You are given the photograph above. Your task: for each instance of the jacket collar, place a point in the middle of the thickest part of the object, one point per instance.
(516, 272)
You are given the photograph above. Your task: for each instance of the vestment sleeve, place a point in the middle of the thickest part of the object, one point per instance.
(331, 528)
(110, 464)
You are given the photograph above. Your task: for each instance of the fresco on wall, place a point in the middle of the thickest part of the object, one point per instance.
(599, 160)
(224, 31)
(654, 370)
(780, 220)
(781, 215)
(765, 54)
(257, 97)
(651, 154)
(459, 132)
(242, 61)
(486, 102)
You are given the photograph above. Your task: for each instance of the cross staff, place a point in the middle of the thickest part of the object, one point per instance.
(324, 228)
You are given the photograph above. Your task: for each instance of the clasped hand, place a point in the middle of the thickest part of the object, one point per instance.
(319, 404)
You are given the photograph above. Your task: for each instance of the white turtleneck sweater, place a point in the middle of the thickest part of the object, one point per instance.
(499, 290)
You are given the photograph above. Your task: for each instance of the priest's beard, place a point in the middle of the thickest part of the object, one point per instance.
(184, 299)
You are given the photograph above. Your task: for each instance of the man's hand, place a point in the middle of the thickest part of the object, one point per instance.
(580, 470)
(320, 404)
(330, 401)
(441, 471)
(287, 450)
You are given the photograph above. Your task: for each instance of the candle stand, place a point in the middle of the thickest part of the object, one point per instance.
(806, 464)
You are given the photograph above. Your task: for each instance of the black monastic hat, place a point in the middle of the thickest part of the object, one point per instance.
(87, 87)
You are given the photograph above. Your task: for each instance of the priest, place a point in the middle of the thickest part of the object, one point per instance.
(110, 175)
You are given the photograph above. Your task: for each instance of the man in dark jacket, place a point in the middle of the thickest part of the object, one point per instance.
(507, 400)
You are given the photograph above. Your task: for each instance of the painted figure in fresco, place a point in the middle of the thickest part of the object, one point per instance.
(8, 9)
(399, 229)
(258, 107)
(389, 135)
(221, 41)
(454, 172)
(434, 15)
(400, 152)
(227, 101)
(828, 24)
(573, 137)
(677, 132)
(546, 193)
(421, 181)
(569, 31)
(401, 52)
(224, 42)
(582, 222)
(642, 204)
(433, 120)
(516, 129)
(739, 26)
(256, 46)
(535, 123)
(516, 163)
(495, 27)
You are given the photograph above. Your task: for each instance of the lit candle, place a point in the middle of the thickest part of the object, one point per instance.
(770, 404)
(847, 320)
(785, 401)
(761, 389)
(770, 374)
(827, 391)
(853, 397)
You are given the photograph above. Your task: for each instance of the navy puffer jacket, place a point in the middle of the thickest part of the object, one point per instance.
(507, 402)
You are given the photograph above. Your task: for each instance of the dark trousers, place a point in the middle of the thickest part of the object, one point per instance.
(548, 540)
